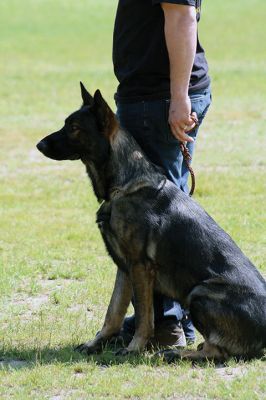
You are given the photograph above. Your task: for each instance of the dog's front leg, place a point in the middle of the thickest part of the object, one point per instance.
(142, 278)
(117, 309)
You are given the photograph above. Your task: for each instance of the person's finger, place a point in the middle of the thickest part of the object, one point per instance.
(189, 128)
(180, 134)
(192, 123)
(194, 117)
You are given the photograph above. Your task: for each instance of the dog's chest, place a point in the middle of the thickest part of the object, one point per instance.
(130, 240)
(124, 232)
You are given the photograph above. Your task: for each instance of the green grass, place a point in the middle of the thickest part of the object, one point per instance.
(56, 278)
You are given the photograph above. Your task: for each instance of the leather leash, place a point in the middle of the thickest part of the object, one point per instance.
(187, 157)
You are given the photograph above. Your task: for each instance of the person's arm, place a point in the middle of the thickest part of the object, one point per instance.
(181, 39)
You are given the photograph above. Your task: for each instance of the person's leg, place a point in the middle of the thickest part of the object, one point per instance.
(166, 152)
(148, 123)
(188, 327)
(168, 329)
(200, 103)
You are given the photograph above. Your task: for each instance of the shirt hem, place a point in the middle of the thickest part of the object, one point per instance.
(161, 95)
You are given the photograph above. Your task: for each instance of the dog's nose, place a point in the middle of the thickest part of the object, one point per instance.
(42, 146)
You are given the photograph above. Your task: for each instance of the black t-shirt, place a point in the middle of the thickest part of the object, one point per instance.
(140, 57)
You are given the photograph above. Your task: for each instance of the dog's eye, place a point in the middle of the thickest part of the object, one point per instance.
(75, 128)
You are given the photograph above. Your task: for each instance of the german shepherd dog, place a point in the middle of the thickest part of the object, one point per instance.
(161, 240)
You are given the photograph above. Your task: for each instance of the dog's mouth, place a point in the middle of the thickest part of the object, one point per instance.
(45, 150)
(74, 157)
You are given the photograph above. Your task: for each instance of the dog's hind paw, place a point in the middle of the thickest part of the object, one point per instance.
(170, 355)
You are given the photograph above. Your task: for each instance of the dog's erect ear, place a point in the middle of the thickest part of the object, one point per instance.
(106, 119)
(100, 106)
(86, 97)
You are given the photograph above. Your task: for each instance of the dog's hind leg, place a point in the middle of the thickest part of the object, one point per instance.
(230, 318)
(142, 278)
(117, 309)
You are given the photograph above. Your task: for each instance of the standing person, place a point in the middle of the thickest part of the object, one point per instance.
(163, 79)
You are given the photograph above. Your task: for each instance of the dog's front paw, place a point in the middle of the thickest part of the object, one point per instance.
(122, 352)
(170, 355)
(117, 341)
(90, 347)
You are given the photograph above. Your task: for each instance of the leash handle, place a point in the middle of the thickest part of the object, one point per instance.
(187, 156)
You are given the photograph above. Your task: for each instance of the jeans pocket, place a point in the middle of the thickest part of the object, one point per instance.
(200, 104)
(197, 97)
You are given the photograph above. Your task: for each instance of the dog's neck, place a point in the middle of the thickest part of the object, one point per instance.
(127, 162)
(125, 166)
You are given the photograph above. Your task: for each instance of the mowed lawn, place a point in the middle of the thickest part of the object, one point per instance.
(56, 278)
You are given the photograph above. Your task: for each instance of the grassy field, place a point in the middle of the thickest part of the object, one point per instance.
(56, 278)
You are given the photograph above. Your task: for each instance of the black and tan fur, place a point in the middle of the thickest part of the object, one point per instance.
(161, 240)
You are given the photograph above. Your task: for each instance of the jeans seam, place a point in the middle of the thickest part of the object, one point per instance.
(145, 122)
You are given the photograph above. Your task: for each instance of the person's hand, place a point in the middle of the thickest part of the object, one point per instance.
(180, 118)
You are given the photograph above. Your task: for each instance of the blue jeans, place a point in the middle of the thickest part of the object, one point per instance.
(147, 121)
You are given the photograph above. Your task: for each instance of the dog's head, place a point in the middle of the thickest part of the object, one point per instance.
(86, 134)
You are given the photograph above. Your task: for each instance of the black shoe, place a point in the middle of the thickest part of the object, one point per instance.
(167, 332)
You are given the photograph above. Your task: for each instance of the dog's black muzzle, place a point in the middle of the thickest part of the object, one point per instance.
(58, 147)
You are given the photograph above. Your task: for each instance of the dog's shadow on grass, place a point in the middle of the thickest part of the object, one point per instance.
(13, 359)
